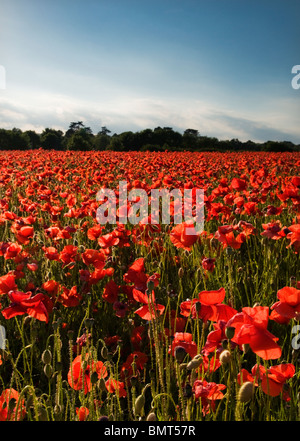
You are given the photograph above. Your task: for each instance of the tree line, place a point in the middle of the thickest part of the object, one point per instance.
(79, 137)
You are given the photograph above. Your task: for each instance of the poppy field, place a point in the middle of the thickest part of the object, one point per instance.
(145, 322)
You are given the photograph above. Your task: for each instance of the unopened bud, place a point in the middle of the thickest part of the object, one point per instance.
(104, 352)
(180, 353)
(225, 357)
(151, 417)
(246, 392)
(229, 332)
(195, 362)
(94, 377)
(246, 347)
(139, 404)
(46, 357)
(48, 370)
(180, 273)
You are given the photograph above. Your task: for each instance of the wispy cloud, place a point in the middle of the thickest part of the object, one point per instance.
(134, 112)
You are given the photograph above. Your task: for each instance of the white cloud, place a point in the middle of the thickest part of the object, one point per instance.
(30, 109)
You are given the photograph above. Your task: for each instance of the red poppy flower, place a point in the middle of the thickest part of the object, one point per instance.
(251, 328)
(12, 251)
(70, 297)
(215, 339)
(51, 287)
(273, 230)
(82, 412)
(208, 393)
(288, 306)
(38, 306)
(226, 236)
(79, 376)
(274, 378)
(68, 254)
(114, 386)
(108, 240)
(94, 257)
(51, 253)
(185, 340)
(140, 359)
(24, 234)
(94, 232)
(136, 275)
(271, 380)
(184, 236)
(294, 237)
(208, 264)
(7, 283)
(208, 306)
(7, 412)
(238, 184)
(150, 309)
(110, 292)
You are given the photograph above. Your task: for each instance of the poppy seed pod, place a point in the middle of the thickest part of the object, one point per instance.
(225, 357)
(151, 416)
(180, 353)
(94, 377)
(195, 362)
(48, 370)
(104, 352)
(102, 385)
(229, 332)
(246, 392)
(139, 404)
(46, 356)
(103, 418)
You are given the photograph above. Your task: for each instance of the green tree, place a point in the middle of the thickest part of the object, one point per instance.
(33, 139)
(52, 139)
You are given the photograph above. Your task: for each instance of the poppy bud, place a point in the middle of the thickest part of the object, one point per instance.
(48, 370)
(102, 385)
(139, 404)
(195, 362)
(42, 414)
(46, 357)
(103, 418)
(151, 416)
(224, 344)
(225, 357)
(188, 390)
(246, 347)
(246, 392)
(104, 352)
(133, 380)
(180, 272)
(229, 332)
(180, 353)
(94, 377)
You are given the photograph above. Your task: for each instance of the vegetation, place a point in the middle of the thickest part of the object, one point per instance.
(78, 137)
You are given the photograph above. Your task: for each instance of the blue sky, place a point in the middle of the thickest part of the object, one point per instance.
(222, 67)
